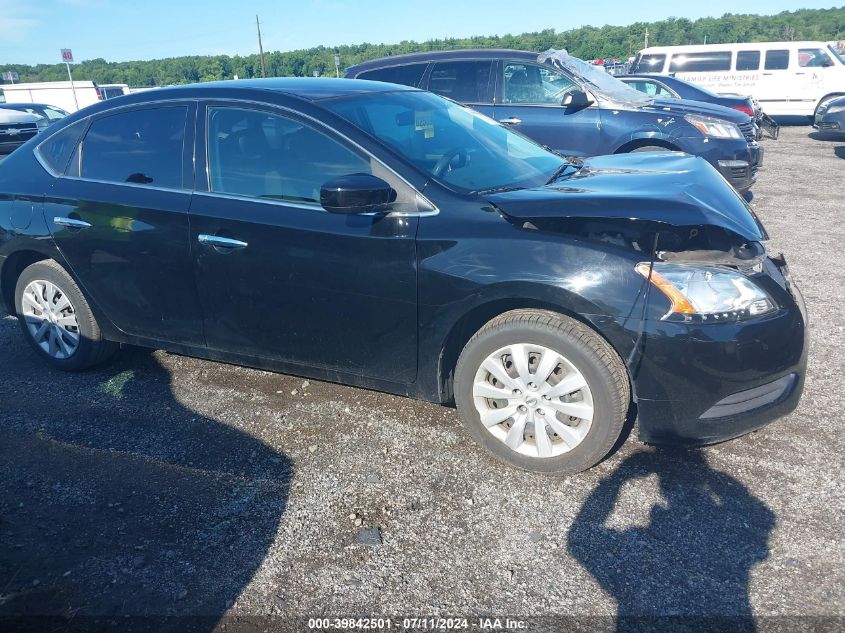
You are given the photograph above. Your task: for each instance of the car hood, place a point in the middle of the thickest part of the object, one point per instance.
(681, 107)
(664, 187)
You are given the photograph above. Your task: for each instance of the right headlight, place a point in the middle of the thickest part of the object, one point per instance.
(707, 293)
(713, 127)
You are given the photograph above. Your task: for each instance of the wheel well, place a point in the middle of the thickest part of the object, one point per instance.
(15, 264)
(645, 142)
(473, 321)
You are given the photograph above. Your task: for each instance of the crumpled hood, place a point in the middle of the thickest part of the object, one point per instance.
(666, 187)
(680, 107)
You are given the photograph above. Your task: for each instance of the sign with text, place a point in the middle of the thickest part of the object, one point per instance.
(67, 56)
(10, 75)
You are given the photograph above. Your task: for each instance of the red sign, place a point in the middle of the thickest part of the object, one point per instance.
(67, 56)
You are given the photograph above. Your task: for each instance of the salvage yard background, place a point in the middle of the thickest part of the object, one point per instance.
(159, 484)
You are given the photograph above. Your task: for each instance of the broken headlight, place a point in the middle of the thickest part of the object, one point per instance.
(709, 294)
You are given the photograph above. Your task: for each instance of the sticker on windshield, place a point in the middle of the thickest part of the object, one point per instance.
(424, 122)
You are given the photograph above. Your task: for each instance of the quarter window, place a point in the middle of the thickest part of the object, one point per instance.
(407, 75)
(777, 60)
(466, 82)
(748, 60)
(263, 155)
(142, 147)
(711, 61)
(534, 84)
(56, 150)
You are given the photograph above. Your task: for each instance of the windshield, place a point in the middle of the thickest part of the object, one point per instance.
(456, 145)
(600, 82)
(838, 53)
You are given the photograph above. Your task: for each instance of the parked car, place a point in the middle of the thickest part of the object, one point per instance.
(385, 237)
(830, 118)
(787, 78)
(16, 128)
(575, 108)
(50, 113)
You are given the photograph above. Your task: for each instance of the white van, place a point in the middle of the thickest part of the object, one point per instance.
(55, 93)
(786, 78)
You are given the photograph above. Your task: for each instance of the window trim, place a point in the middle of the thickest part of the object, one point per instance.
(190, 125)
(202, 118)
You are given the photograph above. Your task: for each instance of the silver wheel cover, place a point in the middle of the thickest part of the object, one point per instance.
(50, 319)
(533, 399)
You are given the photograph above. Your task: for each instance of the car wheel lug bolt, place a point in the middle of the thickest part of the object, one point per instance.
(547, 398)
(523, 408)
(541, 412)
(517, 392)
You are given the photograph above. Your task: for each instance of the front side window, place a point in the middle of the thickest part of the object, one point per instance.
(711, 61)
(142, 147)
(813, 58)
(453, 144)
(748, 60)
(464, 81)
(534, 84)
(777, 60)
(264, 155)
(407, 75)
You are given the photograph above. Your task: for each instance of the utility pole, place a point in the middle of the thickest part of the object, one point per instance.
(646, 38)
(260, 48)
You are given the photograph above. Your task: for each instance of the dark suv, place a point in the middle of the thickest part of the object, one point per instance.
(575, 108)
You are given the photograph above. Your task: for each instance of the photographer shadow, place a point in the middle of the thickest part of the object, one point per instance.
(119, 503)
(688, 568)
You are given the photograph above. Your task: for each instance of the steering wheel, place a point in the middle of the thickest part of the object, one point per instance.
(445, 162)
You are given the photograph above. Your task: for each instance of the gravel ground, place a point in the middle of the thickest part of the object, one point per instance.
(160, 484)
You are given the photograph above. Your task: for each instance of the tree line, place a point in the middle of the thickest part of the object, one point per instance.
(586, 42)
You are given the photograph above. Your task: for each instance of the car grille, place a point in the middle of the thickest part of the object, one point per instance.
(748, 130)
(17, 131)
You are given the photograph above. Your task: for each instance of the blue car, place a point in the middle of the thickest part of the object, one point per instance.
(575, 108)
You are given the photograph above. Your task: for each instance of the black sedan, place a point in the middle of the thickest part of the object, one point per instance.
(830, 117)
(388, 238)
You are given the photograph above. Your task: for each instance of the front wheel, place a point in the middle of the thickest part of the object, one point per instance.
(542, 392)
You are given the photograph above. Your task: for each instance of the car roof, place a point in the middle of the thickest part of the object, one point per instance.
(455, 54)
(308, 88)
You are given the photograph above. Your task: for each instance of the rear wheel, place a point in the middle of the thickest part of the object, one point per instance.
(542, 392)
(57, 320)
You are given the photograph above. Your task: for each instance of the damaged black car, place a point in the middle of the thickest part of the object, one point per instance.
(387, 238)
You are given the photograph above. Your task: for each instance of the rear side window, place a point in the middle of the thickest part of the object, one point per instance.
(408, 75)
(57, 150)
(777, 60)
(142, 147)
(748, 60)
(711, 61)
(650, 64)
(466, 82)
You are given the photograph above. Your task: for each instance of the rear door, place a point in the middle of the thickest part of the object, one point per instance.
(119, 216)
(529, 99)
(281, 278)
(470, 82)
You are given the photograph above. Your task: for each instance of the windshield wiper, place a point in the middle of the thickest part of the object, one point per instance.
(574, 163)
(498, 189)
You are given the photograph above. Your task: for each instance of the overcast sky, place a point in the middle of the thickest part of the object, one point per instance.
(33, 31)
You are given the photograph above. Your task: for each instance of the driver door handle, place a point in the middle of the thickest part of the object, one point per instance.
(511, 120)
(71, 223)
(220, 242)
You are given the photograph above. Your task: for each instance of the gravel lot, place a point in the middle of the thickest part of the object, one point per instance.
(160, 484)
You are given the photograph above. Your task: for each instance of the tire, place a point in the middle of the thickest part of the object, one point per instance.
(650, 148)
(72, 319)
(584, 357)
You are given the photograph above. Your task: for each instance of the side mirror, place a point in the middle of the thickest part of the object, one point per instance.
(356, 193)
(576, 100)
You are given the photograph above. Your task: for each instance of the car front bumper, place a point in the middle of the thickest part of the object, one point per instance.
(832, 123)
(702, 384)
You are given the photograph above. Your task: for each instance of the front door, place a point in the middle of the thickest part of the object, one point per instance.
(530, 102)
(281, 278)
(119, 216)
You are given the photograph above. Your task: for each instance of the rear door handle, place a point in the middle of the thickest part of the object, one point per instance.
(511, 120)
(71, 223)
(220, 242)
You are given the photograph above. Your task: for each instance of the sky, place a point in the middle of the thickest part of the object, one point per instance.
(33, 31)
